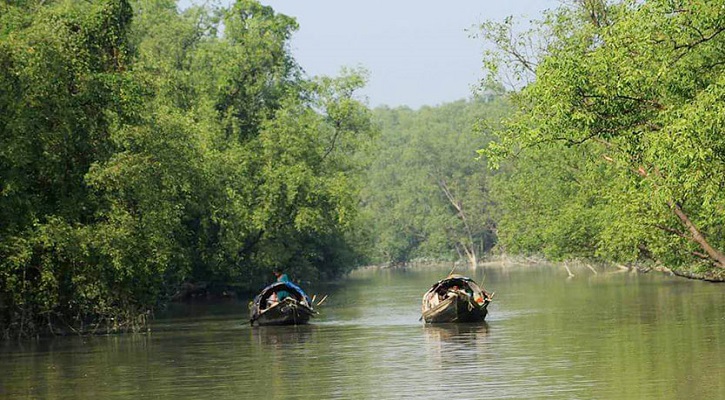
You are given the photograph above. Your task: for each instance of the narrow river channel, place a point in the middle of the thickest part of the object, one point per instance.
(615, 335)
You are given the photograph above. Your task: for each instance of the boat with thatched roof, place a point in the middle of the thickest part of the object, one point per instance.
(270, 307)
(455, 299)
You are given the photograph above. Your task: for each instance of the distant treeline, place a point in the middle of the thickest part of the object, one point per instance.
(428, 193)
(144, 149)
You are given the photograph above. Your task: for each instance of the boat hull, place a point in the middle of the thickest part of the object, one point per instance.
(456, 309)
(289, 312)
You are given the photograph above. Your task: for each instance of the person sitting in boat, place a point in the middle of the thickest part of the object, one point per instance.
(459, 291)
(281, 277)
(453, 290)
(482, 297)
(272, 299)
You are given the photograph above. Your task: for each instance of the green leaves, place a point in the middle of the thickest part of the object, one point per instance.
(635, 86)
(137, 155)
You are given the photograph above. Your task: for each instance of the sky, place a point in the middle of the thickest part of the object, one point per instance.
(417, 52)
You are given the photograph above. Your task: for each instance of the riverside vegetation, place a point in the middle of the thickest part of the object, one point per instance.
(144, 149)
(616, 150)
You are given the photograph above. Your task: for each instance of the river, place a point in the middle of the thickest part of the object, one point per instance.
(613, 335)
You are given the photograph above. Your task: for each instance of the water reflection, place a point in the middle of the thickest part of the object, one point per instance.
(456, 348)
(278, 337)
(466, 334)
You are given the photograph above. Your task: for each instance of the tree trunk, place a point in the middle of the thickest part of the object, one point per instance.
(472, 259)
(469, 252)
(697, 236)
(470, 248)
(715, 255)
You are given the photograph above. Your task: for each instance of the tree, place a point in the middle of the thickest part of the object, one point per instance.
(65, 83)
(637, 87)
(144, 149)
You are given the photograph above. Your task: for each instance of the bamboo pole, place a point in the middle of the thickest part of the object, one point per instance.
(321, 301)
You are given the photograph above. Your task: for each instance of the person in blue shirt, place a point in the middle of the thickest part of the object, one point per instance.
(281, 277)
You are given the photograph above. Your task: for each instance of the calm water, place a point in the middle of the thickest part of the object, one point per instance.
(603, 336)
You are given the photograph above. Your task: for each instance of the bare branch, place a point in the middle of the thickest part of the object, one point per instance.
(672, 231)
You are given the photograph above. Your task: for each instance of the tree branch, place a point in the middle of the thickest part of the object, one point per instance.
(715, 255)
(672, 231)
(334, 140)
(689, 46)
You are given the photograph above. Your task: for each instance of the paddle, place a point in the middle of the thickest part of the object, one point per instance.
(323, 299)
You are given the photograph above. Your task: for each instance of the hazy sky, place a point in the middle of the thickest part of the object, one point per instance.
(418, 52)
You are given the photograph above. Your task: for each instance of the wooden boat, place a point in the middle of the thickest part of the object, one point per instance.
(296, 309)
(455, 299)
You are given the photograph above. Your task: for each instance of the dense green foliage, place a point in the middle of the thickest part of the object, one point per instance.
(142, 148)
(427, 194)
(617, 151)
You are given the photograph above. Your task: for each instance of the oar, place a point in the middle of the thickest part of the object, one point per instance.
(452, 269)
(323, 299)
